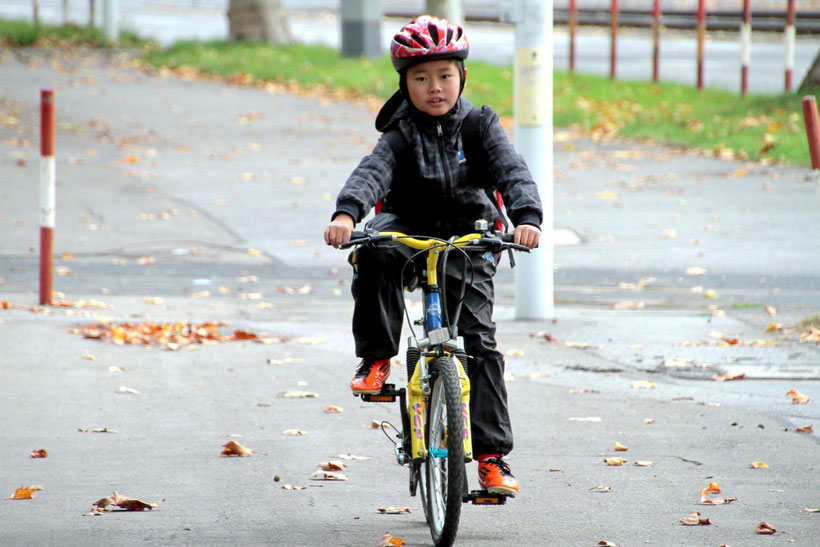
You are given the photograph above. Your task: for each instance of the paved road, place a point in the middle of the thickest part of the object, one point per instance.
(194, 174)
(316, 23)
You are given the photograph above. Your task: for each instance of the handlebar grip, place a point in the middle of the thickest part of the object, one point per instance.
(508, 237)
(358, 235)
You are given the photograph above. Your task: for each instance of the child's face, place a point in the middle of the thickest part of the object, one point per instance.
(434, 86)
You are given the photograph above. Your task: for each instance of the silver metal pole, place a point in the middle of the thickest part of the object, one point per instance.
(452, 10)
(533, 140)
(111, 19)
(361, 28)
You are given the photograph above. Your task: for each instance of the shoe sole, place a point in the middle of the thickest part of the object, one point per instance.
(502, 491)
(365, 392)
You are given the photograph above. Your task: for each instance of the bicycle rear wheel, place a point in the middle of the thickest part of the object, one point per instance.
(441, 475)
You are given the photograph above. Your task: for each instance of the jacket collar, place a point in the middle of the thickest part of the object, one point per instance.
(398, 108)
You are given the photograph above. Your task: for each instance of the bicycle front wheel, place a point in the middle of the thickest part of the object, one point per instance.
(442, 473)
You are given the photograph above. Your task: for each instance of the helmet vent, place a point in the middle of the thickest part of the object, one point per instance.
(433, 30)
(449, 36)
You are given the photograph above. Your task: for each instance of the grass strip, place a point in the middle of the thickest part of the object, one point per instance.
(765, 128)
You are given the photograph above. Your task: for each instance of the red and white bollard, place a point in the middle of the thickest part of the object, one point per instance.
(573, 27)
(656, 40)
(701, 39)
(745, 46)
(48, 195)
(790, 39)
(613, 30)
(812, 129)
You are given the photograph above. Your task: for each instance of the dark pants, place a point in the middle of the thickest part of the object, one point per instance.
(378, 318)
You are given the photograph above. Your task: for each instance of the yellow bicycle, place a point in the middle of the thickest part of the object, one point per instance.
(435, 440)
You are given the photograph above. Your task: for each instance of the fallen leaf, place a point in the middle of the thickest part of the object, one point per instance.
(353, 457)
(320, 475)
(292, 487)
(805, 429)
(125, 389)
(798, 397)
(695, 520)
(644, 463)
(124, 503)
(758, 465)
(592, 419)
(717, 501)
(333, 409)
(606, 195)
(649, 420)
(332, 465)
(642, 384)
(297, 395)
(728, 376)
(39, 453)
(255, 252)
(391, 541)
(514, 353)
(152, 300)
(711, 293)
(394, 510)
(604, 543)
(764, 528)
(628, 305)
(811, 510)
(310, 341)
(618, 447)
(98, 430)
(713, 487)
(695, 270)
(89, 356)
(602, 489)
(26, 492)
(233, 448)
(615, 462)
(294, 432)
(771, 310)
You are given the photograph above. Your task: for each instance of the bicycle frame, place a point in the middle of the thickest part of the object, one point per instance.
(436, 343)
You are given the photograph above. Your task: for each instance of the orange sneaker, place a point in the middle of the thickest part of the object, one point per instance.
(370, 377)
(494, 476)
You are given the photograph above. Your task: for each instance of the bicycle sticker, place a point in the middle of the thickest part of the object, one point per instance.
(465, 421)
(418, 420)
(488, 256)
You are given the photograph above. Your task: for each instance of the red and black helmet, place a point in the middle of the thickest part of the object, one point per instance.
(428, 38)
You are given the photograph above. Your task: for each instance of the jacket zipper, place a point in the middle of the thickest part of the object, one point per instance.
(446, 164)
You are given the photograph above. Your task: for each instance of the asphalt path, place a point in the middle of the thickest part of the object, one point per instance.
(190, 200)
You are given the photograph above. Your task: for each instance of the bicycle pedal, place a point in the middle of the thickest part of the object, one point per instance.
(388, 394)
(482, 497)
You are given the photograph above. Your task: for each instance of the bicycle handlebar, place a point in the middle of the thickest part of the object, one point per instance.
(488, 240)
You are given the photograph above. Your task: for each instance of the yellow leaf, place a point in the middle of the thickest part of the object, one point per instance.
(332, 465)
(644, 463)
(394, 510)
(642, 384)
(391, 541)
(294, 432)
(320, 475)
(606, 195)
(758, 465)
(233, 448)
(615, 462)
(764, 528)
(618, 447)
(798, 397)
(26, 492)
(330, 409)
(695, 270)
(695, 520)
(254, 252)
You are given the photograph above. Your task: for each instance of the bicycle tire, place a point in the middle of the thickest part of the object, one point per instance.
(441, 479)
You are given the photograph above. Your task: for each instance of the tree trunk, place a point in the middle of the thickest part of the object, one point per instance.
(258, 20)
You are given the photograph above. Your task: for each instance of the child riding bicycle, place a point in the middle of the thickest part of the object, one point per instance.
(430, 185)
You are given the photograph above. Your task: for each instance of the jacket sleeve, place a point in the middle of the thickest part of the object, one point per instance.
(368, 183)
(510, 172)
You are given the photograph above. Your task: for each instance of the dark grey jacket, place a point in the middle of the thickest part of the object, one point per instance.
(438, 195)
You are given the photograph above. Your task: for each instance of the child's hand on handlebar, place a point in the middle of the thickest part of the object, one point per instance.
(339, 230)
(527, 235)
